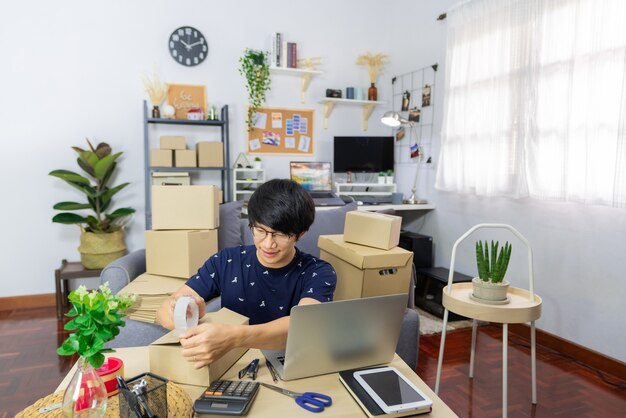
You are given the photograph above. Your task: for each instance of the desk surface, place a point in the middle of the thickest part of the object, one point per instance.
(271, 404)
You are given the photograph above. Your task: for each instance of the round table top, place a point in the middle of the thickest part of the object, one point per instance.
(520, 309)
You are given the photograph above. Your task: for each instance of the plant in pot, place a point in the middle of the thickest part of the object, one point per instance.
(97, 317)
(389, 176)
(490, 285)
(102, 233)
(257, 163)
(255, 68)
(382, 177)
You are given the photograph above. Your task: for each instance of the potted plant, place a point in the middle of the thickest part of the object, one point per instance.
(257, 163)
(102, 233)
(389, 176)
(382, 177)
(255, 68)
(97, 317)
(490, 285)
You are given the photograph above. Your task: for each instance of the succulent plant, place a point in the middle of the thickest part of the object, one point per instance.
(492, 267)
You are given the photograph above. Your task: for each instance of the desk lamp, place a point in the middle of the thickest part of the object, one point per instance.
(394, 120)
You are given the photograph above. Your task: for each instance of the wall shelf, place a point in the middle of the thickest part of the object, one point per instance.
(245, 182)
(367, 105)
(305, 76)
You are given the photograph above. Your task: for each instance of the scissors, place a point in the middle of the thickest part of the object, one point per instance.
(311, 401)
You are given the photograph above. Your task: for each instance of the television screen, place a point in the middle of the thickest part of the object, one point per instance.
(363, 154)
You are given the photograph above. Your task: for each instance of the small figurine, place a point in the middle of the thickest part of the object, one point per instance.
(195, 114)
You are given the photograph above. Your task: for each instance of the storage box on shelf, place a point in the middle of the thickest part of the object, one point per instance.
(174, 142)
(245, 182)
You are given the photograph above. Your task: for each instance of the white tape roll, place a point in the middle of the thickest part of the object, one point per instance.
(181, 323)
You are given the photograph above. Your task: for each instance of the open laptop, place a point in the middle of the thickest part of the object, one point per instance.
(334, 336)
(316, 178)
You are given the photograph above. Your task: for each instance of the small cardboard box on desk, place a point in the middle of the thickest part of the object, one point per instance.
(366, 271)
(166, 357)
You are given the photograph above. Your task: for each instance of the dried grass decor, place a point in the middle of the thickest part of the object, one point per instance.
(374, 62)
(157, 91)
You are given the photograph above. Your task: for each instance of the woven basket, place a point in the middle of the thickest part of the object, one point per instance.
(98, 250)
(179, 404)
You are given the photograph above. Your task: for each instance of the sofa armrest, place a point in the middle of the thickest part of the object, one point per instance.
(122, 271)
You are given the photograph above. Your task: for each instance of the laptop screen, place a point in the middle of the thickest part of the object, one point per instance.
(312, 175)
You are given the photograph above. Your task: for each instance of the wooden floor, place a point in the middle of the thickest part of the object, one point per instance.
(30, 369)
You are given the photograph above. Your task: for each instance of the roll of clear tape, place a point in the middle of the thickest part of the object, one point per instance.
(181, 322)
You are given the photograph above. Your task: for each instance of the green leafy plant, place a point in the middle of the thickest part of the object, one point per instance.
(256, 70)
(97, 319)
(389, 173)
(381, 174)
(257, 158)
(492, 267)
(99, 164)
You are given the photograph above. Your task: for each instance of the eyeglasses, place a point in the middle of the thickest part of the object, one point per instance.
(260, 234)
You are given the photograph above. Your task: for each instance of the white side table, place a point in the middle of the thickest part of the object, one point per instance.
(524, 306)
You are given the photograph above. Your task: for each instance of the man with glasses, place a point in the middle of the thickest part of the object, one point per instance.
(261, 281)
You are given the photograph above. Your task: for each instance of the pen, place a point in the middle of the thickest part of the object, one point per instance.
(271, 369)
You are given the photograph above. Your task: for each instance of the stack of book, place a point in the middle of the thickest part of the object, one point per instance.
(151, 291)
(282, 53)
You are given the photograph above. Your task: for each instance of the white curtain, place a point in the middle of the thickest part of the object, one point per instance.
(535, 100)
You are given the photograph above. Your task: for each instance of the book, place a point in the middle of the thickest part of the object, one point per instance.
(365, 401)
(278, 52)
(283, 55)
(292, 61)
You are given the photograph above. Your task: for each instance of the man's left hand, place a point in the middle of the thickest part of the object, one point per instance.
(205, 343)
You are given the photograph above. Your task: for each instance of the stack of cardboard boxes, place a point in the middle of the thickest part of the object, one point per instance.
(366, 256)
(184, 235)
(173, 152)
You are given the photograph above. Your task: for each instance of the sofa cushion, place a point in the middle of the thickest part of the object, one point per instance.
(327, 221)
(229, 232)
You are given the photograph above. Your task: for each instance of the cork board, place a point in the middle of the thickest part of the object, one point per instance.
(281, 131)
(185, 97)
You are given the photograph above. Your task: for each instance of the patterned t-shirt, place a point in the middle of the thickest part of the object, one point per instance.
(260, 293)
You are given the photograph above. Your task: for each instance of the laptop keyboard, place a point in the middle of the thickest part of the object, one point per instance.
(320, 195)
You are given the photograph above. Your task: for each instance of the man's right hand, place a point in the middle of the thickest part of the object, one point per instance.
(165, 313)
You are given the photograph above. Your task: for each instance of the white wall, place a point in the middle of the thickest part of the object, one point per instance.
(73, 70)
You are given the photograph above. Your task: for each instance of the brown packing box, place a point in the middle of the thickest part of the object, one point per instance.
(372, 229)
(185, 158)
(166, 357)
(172, 142)
(161, 158)
(210, 154)
(164, 178)
(365, 271)
(179, 253)
(185, 207)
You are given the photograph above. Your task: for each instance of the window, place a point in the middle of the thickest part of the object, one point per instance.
(535, 100)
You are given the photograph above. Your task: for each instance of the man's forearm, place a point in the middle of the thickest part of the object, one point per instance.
(271, 335)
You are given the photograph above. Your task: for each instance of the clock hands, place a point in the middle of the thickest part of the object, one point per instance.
(194, 44)
(186, 45)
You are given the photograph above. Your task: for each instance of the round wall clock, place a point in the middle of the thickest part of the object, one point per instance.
(188, 46)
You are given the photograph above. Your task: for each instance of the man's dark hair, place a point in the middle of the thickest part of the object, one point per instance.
(282, 205)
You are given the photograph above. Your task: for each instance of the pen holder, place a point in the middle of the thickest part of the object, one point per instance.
(155, 395)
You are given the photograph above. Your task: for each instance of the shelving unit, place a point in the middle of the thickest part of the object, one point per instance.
(380, 189)
(245, 182)
(148, 169)
(367, 105)
(305, 76)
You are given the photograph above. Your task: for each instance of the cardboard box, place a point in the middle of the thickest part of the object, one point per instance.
(365, 271)
(372, 229)
(151, 291)
(161, 158)
(185, 158)
(179, 253)
(163, 178)
(185, 207)
(172, 142)
(166, 357)
(210, 154)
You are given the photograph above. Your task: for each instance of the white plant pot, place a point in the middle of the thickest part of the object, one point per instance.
(490, 291)
(257, 165)
(381, 180)
(389, 179)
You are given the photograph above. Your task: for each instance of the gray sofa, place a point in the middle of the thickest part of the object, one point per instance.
(234, 231)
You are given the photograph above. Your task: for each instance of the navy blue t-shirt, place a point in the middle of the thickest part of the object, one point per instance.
(260, 293)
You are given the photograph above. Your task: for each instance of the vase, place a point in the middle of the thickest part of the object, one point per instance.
(156, 113)
(86, 395)
(490, 292)
(372, 93)
(98, 250)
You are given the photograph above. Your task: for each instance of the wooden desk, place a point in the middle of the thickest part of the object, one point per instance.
(69, 271)
(270, 404)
